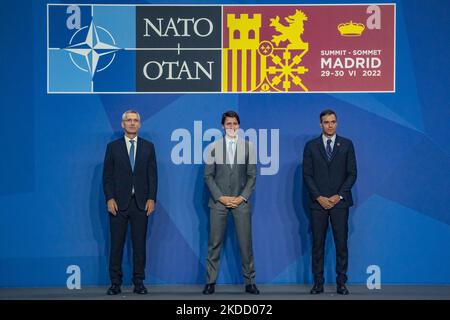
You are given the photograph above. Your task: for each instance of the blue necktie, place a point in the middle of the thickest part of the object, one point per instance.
(329, 150)
(132, 155)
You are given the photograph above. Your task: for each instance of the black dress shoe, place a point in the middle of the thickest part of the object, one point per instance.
(317, 288)
(140, 289)
(113, 290)
(251, 288)
(209, 288)
(342, 289)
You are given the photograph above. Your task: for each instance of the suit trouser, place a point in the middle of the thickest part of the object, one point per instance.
(319, 224)
(218, 223)
(118, 228)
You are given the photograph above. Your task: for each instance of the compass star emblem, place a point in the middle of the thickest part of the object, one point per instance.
(93, 48)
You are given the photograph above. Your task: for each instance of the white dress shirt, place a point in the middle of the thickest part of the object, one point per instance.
(233, 151)
(325, 138)
(127, 142)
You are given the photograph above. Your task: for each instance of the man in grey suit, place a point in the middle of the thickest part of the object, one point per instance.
(230, 174)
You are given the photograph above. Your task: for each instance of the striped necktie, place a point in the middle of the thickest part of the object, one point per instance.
(329, 150)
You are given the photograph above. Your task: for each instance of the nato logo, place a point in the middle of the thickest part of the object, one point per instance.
(133, 49)
(90, 49)
(86, 47)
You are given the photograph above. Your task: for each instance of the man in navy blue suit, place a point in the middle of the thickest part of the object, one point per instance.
(329, 172)
(130, 183)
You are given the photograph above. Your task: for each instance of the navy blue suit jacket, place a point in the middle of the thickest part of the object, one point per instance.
(328, 178)
(119, 179)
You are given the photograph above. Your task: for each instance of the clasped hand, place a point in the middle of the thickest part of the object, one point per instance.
(328, 203)
(231, 202)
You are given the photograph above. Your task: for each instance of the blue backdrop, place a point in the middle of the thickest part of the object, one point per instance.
(52, 205)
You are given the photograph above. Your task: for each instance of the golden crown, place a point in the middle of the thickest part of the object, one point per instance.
(350, 29)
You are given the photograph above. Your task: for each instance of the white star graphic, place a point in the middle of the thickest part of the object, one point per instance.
(92, 49)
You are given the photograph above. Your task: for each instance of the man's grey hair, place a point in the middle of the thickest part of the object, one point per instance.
(124, 115)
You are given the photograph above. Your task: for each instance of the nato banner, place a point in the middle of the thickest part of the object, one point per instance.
(220, 48)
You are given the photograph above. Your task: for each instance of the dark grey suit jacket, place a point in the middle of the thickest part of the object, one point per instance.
(327, 178)
(225, 180)
(119, 179)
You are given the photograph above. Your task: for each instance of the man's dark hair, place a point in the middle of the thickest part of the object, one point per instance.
(327, 112)
(230, 114)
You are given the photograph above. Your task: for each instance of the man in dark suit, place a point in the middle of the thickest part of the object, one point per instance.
(130, 182)
(329, 172)
(230, 174)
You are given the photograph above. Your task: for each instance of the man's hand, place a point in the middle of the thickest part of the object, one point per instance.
(231, 202)
(335, 199)
(237, 201)
(325, 202)
(112, 206)
(149, 206)
(227, 201)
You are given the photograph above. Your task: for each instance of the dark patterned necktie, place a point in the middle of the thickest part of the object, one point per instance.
(329, 150)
